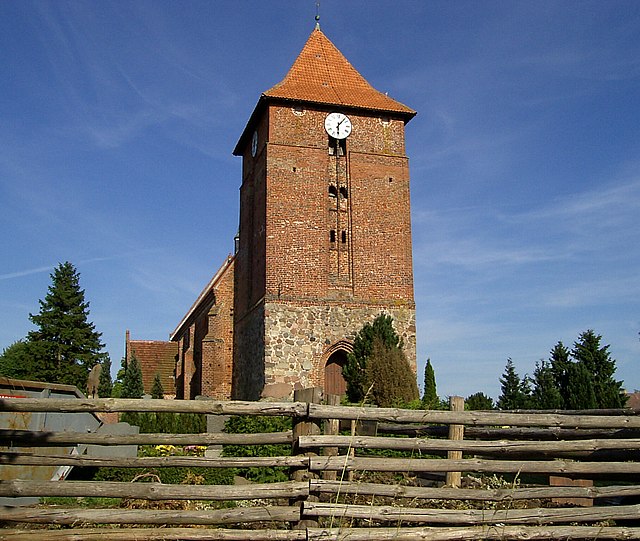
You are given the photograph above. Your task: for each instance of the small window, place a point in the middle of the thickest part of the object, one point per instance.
(343, 192)
(333, 192)
(344, 237)
(332, 236)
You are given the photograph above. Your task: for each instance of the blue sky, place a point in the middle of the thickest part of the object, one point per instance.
(118, 118)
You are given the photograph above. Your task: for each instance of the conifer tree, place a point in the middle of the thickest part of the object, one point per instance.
(65, 345)
(596, 359)
(580, 391)
(354, 371)
(156, 388)
(545, 394)
(514, 393)
(375, 344)
(479, 401)
(559, 364)
(132, 386)
(105, 384)
(430, 397)
(389, 376)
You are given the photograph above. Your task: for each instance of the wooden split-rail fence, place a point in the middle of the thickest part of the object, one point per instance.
(356, 473)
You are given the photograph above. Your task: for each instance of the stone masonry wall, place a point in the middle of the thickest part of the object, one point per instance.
(297, 339)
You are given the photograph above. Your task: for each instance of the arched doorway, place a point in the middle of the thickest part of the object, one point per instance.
(334, 382)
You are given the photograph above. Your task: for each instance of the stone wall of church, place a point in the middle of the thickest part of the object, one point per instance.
(297, 339)
(248, 355)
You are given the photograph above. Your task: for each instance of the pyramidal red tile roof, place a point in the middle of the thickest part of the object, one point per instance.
(321, 74)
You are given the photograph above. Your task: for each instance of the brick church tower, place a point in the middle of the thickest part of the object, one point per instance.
(325, 232)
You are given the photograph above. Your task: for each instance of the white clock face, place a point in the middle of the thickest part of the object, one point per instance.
(337, 125)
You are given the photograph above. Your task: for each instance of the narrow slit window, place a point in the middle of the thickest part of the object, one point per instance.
(332, 236)
(344, 237)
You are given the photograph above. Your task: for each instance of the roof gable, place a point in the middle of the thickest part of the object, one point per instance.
(321, 74)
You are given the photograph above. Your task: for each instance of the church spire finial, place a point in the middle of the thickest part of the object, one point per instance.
(318, 15)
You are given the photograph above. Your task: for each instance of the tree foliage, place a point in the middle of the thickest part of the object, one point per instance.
(16, 361)
(65, 345)
(546, 394)
(576, 379)
(132, 386)
(430, 398)
(514, 391)
(479, 401)
(597, 361)
(157, 391)
(378, 363)
(105, 384)
(389, 376)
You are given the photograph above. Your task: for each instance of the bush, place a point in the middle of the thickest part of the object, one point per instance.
(389, 376)
(247, 424)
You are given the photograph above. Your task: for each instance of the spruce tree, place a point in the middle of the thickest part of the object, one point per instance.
(65, 345)
(559, 363)
(580, 391)
(545, 394)
(430, 397)
(156, 388)
(105, 384)
(597, 360)
(514, 393)
(132, 386)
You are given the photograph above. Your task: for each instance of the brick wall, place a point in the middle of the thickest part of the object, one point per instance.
(306, 247)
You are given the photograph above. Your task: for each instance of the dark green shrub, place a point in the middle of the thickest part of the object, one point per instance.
(247, 424)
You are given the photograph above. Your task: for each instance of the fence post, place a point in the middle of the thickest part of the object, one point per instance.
(304, 427)
(331, 427)
(456, 432)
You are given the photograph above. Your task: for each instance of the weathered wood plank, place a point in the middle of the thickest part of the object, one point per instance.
(346, 463)
(213, 407)
(31, 438)
(152, 462)
(503, 494)
(150, 516)
(497, 418)
(494, 447)
(152, 491)
(536, 516)
(509, 433)
(152, 534)
(478, 533)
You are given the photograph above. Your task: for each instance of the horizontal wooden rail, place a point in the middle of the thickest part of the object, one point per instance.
(495, 447)
(322, 486)
(509, 432)
(156, 534)
(396, 514)
(318, 411)
(33, 438)
(213, 407)
(562, 467)
(475, 533)
(23, 459)
(151, 516)
(152, 491)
